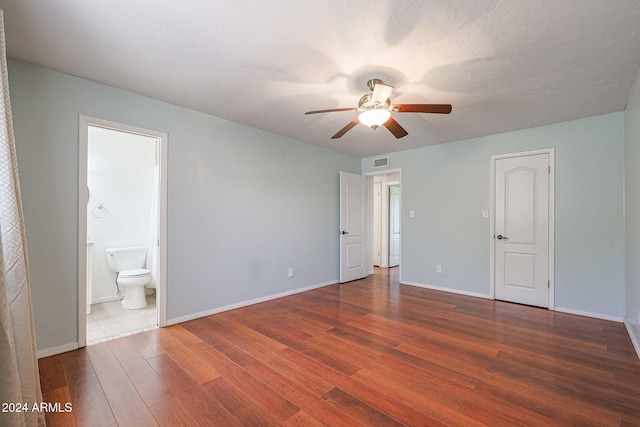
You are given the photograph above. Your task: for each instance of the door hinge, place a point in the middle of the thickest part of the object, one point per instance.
(548, 283)
(549, 170)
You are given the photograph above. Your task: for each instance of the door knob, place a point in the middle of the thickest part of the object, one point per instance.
(344, 232)
(501, 237)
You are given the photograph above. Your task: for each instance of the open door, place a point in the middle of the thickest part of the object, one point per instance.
(353, 241)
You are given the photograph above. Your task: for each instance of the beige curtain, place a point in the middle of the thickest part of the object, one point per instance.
(19, 378)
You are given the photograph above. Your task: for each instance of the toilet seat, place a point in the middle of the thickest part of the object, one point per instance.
(134, 273)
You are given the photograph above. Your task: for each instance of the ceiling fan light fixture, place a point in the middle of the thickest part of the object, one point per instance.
(375, 110)
(374, 118)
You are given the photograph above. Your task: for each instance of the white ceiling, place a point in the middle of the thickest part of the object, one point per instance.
(504, 65)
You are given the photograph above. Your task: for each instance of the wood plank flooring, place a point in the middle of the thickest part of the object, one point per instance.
(366, 353)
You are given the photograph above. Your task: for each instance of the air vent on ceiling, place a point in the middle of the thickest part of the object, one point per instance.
(380, 162)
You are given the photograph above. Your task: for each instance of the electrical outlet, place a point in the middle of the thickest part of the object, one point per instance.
(438, 268)
(290, 272)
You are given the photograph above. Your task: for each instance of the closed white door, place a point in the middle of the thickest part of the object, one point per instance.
(521, 246)
(352, 227)
(394, 226)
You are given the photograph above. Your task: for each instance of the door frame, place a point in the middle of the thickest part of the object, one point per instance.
(376, 231)
(385, 221)
(386, 247)
(161, 281)
(370, 225)
(492, 198)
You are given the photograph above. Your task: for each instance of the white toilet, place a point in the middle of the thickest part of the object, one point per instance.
(131, 276)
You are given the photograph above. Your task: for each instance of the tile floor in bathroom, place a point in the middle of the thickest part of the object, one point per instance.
(110, 320)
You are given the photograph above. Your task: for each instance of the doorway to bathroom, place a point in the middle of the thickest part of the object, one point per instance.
(122, 215)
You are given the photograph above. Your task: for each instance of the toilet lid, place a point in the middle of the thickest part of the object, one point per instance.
(134, 273)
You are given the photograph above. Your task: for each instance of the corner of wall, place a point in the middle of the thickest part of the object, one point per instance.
(634, 334)
(631, 203)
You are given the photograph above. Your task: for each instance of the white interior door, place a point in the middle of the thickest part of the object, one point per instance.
(521, 246)
(394, 226)
(353, 240)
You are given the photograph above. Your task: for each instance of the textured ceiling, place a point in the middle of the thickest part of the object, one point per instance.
(503, 65)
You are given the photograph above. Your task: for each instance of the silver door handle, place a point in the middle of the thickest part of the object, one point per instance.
(501, 237)
(344, 232)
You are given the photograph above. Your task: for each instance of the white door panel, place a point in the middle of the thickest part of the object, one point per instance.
(352, 227)
(522, 229)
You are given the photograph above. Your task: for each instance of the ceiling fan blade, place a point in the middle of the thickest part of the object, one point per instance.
(395, 128)
(381, 92)
(345, 129)
(330, 110)
(422, 108)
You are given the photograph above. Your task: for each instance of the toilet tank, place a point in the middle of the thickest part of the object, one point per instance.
(131, 258)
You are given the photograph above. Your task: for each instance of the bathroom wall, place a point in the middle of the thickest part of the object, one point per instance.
(120, 172)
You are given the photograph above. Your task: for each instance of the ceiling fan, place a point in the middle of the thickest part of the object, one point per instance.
(375, 110)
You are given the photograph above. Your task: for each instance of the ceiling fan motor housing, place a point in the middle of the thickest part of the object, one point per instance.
(367, 103)
(373, 82)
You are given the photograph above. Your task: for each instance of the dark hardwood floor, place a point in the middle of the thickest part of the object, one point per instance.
(365, 353)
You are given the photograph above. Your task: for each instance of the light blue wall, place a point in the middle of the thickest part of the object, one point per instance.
(447, 186)
(244, 204)
(632, 209)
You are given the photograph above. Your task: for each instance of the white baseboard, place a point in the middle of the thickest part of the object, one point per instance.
(74, 345)
(206, 313)
(450, 290)
(589, 314)
(635, 337)
(486, 296)
(57, 350)
(634, 334)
